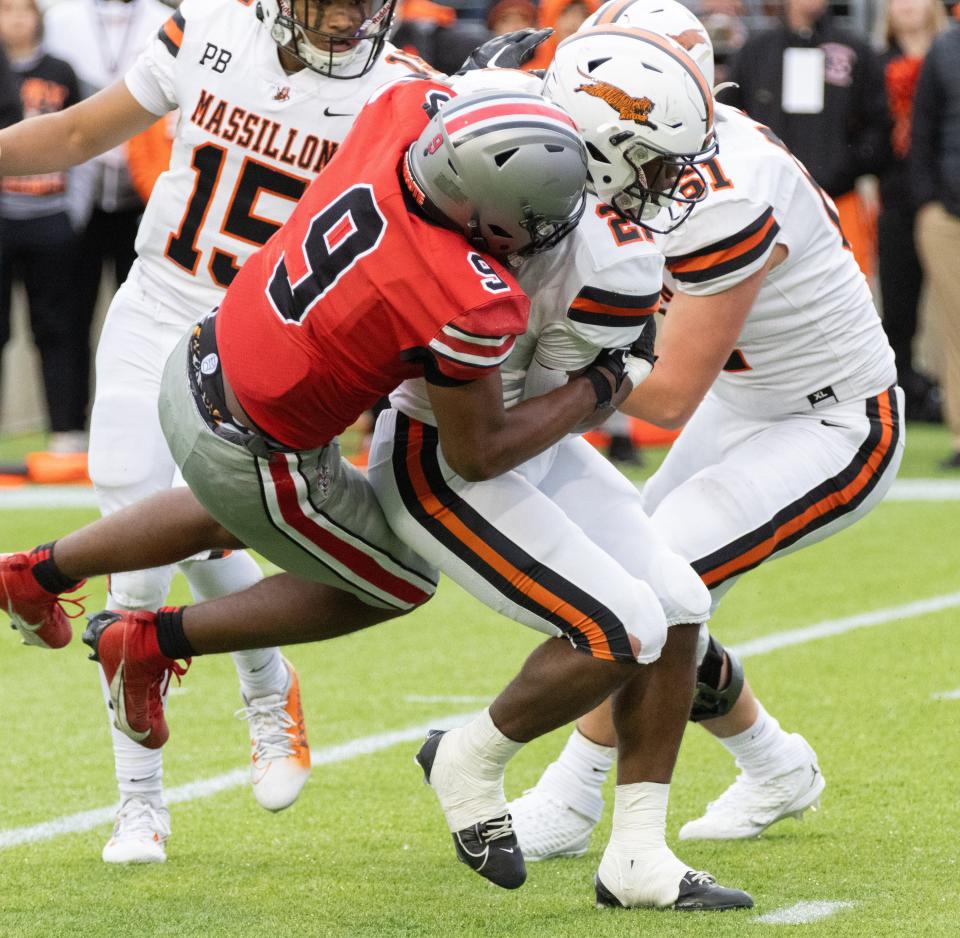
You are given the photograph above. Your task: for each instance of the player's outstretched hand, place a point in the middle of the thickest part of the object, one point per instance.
(510, 50)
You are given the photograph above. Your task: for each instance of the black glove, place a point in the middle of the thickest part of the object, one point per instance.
(640, 358)
(606, 373)
(510, 50)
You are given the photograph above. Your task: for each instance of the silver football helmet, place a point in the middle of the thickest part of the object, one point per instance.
(507, 169)
(297, 26)
(646, 113)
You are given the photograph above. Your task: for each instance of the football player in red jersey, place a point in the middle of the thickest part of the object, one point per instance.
(265, 92)
(394, 264)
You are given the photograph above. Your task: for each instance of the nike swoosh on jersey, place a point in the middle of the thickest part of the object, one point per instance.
(328, 113)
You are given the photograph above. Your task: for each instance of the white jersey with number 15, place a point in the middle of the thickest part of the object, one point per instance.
(249, 139)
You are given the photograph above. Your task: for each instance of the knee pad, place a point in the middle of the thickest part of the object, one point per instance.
(141, 589)
(710, 700)
(681, 592)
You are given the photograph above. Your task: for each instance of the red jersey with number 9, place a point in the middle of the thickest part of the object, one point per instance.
(358, 291)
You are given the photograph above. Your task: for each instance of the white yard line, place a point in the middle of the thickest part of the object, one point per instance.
(204, 788)
(86, 820)
(80, 496)
(760, 646)
(802, 913)
(948, 695)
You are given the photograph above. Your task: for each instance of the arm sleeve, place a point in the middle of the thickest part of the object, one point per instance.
(151, 78)
(476, 343)
(924, 132)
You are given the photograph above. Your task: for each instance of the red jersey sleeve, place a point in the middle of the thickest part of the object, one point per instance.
(477, 342)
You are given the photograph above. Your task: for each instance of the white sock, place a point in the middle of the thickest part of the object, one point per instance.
(577, 776)
(139, 770)
(764, 750)
(469, 770)
(640, 817)
(638, 866)
(261, 670)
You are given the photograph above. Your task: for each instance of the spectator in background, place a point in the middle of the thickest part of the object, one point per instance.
(820, 89)
(935, 169)
(565, 18)
(101, 39)
(506, 16)
(905, 29)
(37, 235)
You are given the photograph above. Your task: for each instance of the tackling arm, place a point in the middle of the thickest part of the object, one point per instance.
(481, 439)
(695, 340)
(55, 142)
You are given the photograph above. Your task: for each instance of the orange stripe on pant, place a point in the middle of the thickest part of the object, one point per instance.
(599, 646)
(828, 503)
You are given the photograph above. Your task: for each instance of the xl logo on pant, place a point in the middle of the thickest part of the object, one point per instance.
(217, 56)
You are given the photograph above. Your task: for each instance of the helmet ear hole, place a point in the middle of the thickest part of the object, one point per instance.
(499, 232)
(502, 158)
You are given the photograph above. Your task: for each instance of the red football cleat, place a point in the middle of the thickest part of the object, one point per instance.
(137, 672)
(36, 614)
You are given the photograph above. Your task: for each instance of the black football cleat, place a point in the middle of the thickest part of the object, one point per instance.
(489, 847)
(699, 892)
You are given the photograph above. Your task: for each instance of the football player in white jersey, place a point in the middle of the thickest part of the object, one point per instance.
(773, 359)
(266, 90)
(522, 542)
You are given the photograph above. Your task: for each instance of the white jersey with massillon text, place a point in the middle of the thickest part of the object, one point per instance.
(813, 335)
(592, 291)
(249, 139)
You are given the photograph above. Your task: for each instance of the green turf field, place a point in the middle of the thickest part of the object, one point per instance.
(365, 851)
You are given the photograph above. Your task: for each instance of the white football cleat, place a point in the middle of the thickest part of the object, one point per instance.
(547, 828)
(279, 750)
(140, 834)
(750, 805)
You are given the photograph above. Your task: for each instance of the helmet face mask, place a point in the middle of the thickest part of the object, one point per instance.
(507, 170)
(658, 184)
(336, 38)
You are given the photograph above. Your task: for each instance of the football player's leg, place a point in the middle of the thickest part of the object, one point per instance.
(129, 461)
(516, 551)
(650, 711)
(556, 817)
(782, 486)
